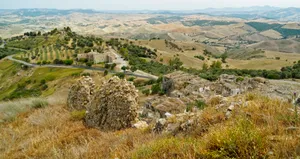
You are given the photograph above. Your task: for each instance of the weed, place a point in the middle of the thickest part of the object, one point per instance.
(78, 115)
(39, 103)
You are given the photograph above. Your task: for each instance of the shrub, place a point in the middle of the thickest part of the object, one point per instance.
(105, 72)
(239, 79)
(89, 64)
(242, 140)
(120, 75)
(58, 61)
(78, 115)
(86, 74)
(146, 92)
(39, 103)
(200, 57)
(155, 89)
(44, 87)
(131, 79)
(68, 62)
(112, 67)
(215, 100)
(43, 81)
(200, 104)
(169, 148)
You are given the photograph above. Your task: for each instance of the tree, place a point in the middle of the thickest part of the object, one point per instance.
(1, 41)
(223, 57)
(133, 68)
(105, 72)
(89, 64)
(58, 61)
(123, 51)
(120, 75)
(112, 67)
(124, 68)
(68, 62)
(39, 33)
(216, 65)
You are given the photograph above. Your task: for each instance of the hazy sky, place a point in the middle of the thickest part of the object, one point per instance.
(143, 4)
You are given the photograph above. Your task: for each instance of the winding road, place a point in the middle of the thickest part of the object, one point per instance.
(81, 67)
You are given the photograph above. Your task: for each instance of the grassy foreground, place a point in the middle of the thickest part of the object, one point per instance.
(265, 128)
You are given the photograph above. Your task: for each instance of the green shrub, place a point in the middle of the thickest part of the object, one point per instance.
(86, 74)
(200, 57)
(155, 89)
(131, 79)
(77, 74)
(105, 72)
(68, 62)
(89, 64)
(43, 81)
(120, 75)
(78, 115)
(39, 103)
(200, 104)
(146, 92)
(239, 79)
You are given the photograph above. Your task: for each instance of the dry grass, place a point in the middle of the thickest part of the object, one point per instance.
(262, 128)
(51, 133)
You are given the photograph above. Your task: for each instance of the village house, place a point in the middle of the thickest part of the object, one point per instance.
(98, 57)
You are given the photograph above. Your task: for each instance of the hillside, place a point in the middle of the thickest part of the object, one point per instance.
(150, 84)
(285, 46)
(252, 125)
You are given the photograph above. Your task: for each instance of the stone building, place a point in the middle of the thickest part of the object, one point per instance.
(97, 57)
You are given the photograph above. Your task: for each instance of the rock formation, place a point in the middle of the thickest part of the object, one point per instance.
(114, 106)
(81, 94)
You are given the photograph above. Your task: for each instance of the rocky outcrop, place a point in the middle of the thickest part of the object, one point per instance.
(177, 123)
(114, 106)
(81, 94)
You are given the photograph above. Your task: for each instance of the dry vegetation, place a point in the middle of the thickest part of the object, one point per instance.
(260, 128)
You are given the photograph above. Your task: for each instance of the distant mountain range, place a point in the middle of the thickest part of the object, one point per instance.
(249, 13)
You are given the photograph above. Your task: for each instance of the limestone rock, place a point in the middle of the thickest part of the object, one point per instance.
(81, 94)
(114, 106)
(177, 123)
(162, 106)
(142, 125)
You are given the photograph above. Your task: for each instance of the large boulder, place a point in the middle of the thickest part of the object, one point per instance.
(81, 94)
(114, 106)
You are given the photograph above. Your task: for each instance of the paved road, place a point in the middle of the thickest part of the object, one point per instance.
(119, 61)
(82, 67)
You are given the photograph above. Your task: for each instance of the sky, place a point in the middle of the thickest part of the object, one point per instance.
(143, 4)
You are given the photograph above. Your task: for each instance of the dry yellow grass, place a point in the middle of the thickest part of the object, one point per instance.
(165, 53)
(262, 129)
(268, 63)
(51, 133)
